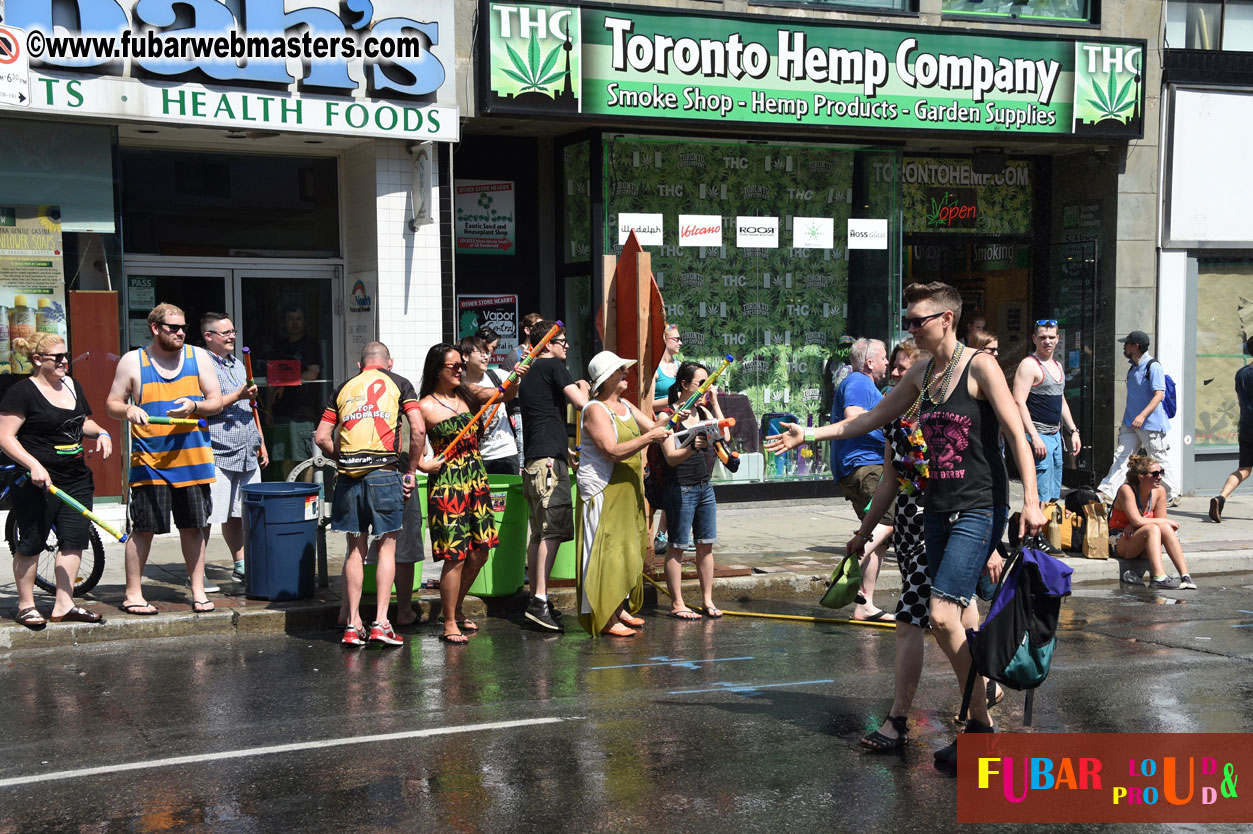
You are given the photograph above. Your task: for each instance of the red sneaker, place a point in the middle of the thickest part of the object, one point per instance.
(353, 636)
(380, 633)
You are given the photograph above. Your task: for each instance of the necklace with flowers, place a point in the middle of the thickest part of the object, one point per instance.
(914, 470)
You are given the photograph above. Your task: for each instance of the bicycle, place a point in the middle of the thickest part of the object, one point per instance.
(90, 569)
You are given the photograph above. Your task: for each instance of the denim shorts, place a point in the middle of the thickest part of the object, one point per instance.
(691, 511)
(373, 503)
(1048, 471)
(958, 547)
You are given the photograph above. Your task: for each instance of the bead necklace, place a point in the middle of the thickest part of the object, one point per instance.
(944, 383)
(444, 404)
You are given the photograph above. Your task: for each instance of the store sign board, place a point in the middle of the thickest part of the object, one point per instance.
(867, 233)
(485, 219)
(643, 63)
(499, 312)
(32, 281)
(700, 230)
(648, 228)
(945, 194)
(14, 67)
(255, 64)
(761, 232)
(813, 232)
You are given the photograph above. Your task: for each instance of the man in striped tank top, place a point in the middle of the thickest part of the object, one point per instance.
(1039, 389)
(171, 467)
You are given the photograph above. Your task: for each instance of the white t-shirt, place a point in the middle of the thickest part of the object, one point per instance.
(498, 440)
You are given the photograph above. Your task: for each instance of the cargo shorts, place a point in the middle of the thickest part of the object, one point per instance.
(546, 485)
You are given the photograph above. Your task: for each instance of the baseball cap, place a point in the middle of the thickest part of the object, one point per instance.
(1136, 337)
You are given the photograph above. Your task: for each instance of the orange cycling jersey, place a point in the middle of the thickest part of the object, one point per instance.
(368, 409)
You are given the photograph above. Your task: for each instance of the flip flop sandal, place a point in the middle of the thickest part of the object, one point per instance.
(78, 614)
(467, 625)
(678, 615)
(454, 639)
(31, 618)
(713, 613)
(880, 616)
(202, 606)
(877, 742)
(133, 608)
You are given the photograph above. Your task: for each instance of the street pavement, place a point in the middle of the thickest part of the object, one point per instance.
(786, 549)
(732, 725)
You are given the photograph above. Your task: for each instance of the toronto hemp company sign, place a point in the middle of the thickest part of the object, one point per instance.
(636, 63)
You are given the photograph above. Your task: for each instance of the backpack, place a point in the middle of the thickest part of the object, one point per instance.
(1170, 402)
(1016, 642)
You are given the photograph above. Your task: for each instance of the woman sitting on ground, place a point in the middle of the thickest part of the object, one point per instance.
(1138, 526)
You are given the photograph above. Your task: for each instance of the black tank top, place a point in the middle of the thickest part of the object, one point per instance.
(966, 468)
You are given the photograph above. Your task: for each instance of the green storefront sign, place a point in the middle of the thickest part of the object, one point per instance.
(635, 63)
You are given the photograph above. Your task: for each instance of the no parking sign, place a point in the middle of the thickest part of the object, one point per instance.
(14, 67)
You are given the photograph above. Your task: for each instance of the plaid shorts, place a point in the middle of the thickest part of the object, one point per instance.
(150, 506)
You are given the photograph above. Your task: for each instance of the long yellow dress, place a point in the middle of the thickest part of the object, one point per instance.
(612, 531)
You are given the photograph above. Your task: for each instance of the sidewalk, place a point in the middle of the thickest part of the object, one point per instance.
(788, 550)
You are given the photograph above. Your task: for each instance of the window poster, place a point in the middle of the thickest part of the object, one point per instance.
(484, 216)
(499, 312)
(32, 281)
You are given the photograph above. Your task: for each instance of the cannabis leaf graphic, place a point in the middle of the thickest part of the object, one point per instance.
(531, 74)
(1112, 102)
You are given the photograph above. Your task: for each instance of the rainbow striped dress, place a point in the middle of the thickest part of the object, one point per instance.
(177, 455)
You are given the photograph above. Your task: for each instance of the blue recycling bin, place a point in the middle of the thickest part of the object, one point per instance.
(280, 540)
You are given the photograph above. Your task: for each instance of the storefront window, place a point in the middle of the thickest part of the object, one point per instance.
(1224, 320)
(1210, 24)
(780, 303)
(892, 5)
(229, 205)
(576, 203)
(1061, 11)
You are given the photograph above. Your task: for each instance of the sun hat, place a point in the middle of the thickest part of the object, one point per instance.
(602, 365)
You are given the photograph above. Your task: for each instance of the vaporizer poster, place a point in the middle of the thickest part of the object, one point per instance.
(32, 281)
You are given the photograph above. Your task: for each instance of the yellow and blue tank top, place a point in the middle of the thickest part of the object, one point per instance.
(177, 455)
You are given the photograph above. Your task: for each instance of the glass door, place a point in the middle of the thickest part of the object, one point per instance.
(291, 320)
(196, 290)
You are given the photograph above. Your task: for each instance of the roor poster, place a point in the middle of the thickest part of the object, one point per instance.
(32, 281)
(712, 66)
(500, 313)
(484, 216)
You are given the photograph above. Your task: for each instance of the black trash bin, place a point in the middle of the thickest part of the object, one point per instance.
(280, 540)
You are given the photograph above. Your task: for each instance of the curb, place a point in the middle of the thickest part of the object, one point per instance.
(1224, 558)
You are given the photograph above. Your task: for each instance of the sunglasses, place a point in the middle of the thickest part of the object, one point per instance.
(1156, 473)
(173, 328)
(455, 366)
(562, 342)
(993, 351)
(57, 358)
(222, 333)
(1046, 323)
(915, 322)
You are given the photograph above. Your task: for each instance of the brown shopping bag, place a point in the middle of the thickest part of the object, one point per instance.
(1053, 524)
(1072, 531)
(1095, 531)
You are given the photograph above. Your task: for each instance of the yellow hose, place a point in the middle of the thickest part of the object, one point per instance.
(792, 617)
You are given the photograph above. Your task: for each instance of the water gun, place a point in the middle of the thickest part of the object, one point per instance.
(730, 459)
(178, 421)
(710, 429)
(700, 392)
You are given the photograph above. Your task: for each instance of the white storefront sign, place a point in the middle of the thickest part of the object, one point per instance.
(867, 233)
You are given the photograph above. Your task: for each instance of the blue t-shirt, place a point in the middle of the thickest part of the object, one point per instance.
(1244, 396)
(857, 390)
(1142, 380)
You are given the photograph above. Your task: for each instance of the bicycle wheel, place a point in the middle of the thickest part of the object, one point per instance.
(90, 569)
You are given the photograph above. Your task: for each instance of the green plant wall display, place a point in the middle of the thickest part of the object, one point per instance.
(577, 203)
(780, 311)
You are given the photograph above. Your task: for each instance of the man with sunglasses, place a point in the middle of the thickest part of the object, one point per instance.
(543, 394)
(239, 452)
(171, 466)
(1039, 389)
(1144, 421)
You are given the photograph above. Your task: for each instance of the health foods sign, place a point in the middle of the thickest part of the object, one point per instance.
(636, 63)
(237, 64)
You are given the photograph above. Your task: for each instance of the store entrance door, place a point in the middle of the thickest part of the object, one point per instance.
(286, 315)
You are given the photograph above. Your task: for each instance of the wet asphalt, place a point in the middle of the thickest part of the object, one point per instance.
(735, 725)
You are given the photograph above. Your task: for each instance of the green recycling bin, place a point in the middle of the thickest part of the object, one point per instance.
(564, 566)
(505, 570)
(369, 585)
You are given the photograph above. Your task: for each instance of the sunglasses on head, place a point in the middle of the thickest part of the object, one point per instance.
(1046, 323)
(914, 322)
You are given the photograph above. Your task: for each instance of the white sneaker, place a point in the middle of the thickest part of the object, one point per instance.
(209, 586)
(1186, 583)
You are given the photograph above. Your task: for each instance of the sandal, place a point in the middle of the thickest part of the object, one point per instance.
(31, 618)
(684, 614)
(78, 614)
(712, 613)
(202, 606)
(996, 694)
(618, 630)
(877, 742)
(880, 616)
(134, 608)
(454, 639)
(467, 625)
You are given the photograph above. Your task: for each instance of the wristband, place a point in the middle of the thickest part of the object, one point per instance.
(104, 434)
(809, 435)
